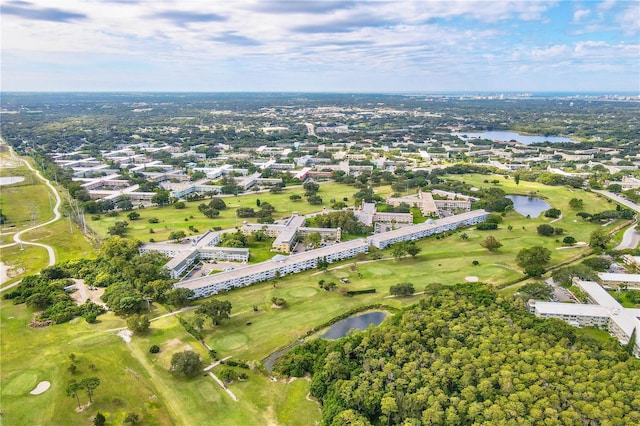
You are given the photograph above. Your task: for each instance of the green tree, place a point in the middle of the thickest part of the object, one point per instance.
(402, 289)
(185, 364)
(599, 238)
(516, 179)
(553, 213)
(399, 249)
(133, 215)
(533, 259)
(132, 418)
(72, 390)
(179, 297)
(491, 243)
(576, 204)
(295, 197)
(138, 323)
(313, 239)
(161, 197)
(215, 310)
(177, 235)
(89, 384)
(569, 240)
(413, 250)
(545, 230)
(99, 419)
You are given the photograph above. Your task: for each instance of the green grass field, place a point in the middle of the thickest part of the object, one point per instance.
(33, 355)
(174, 219)
(140, 381)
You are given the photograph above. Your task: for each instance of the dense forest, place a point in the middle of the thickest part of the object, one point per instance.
(463, 355)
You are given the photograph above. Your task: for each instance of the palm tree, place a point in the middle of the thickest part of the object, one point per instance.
(72, 390)
(90, 383)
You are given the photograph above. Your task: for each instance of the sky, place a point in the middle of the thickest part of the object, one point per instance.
(320, 46)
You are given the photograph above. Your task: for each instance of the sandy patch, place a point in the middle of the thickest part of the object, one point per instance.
(576, 245)
(4, 273)
(84, 292)
(41, 388)
(125, 335)
(471, 279)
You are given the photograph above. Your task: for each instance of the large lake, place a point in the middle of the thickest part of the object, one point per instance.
(360, 322)
(528, 206)
(509, 136)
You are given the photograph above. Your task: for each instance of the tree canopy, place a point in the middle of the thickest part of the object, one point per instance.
(465, 356)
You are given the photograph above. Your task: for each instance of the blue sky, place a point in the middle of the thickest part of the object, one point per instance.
(337, 46)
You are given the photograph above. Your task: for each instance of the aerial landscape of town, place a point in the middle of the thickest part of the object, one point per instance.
(254, 254)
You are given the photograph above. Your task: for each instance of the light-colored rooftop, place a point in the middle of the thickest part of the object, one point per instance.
(578, 309)
(623, 278)
(270, 264)
(409, 230)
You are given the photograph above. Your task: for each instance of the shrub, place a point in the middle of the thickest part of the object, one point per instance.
(545, 230)
(486, 226)
(154, 349)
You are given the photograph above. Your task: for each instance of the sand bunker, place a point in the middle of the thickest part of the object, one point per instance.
(471, 279)
(41, 388)
(125, 335)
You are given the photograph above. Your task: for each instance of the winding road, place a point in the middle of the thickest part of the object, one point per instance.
(56, 216)
(631, 236)
(17, 237)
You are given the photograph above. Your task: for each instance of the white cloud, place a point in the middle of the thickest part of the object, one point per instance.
(579, 14)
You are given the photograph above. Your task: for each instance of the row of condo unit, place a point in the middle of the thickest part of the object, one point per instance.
(289, 231)
(186, 253)
(282, 265)
(429, 206)
(602, 311)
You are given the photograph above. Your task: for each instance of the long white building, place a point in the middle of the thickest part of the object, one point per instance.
(277, 267)
(428, 228)
(603, 311)
(283, 265)
(201, 247)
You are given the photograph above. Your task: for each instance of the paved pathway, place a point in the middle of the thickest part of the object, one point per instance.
(56, 215)
(630, 238)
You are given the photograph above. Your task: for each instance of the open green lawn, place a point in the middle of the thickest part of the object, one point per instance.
(25, 204)
(174, 219)
(140, 381)
(33, 355)
(67, 240)
(23, 261)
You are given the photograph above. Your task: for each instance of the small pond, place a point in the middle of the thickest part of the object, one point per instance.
(512, 136)
(528, 206)
(8, 180)
(360, 322)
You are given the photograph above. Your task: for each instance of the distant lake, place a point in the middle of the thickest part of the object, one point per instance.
(528, 206)
(10, 180)
(360, 322)
(509, 136)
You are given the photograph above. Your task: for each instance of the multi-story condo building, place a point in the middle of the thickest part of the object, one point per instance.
(202, 247)
(428, 228)
(277, 267)
(603, 311)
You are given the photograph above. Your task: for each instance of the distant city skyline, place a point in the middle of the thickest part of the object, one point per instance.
(321, 46)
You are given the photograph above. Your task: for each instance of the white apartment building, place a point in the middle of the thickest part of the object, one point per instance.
(603, 312)
(428, 228)
(202, 247)
(277, 267)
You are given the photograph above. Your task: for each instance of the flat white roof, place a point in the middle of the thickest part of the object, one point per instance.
(271, 264)
(623, 278)
(578, 309)
(409, 230)
(598, 294)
